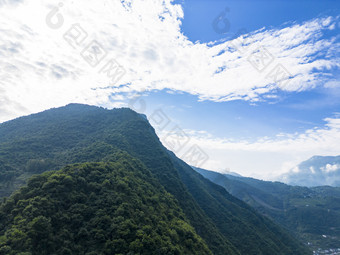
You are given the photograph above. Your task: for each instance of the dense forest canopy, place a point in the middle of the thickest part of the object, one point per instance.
(96, 208)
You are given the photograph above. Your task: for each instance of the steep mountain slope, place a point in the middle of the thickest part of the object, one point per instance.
(78, 133)
(311, 213)
(316, 171)
(96, 208)
(228, 213)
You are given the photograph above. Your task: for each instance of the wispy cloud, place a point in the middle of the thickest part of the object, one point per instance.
(39, 69)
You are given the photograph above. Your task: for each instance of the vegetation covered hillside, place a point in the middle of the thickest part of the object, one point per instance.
(96, 208)
(81, 133)
(313, 214)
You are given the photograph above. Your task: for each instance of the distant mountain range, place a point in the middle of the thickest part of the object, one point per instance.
(313, 214)
(119, 191)
(316, 171)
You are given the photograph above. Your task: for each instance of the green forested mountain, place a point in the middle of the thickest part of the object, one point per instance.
(96, 208)
(79, 133)
(313, 214)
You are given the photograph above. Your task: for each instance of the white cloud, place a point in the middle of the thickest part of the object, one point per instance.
(39, 69)
(332, 84)
(267, 157)
(330, 168)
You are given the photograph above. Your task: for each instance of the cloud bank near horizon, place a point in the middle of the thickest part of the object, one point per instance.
(266, 157)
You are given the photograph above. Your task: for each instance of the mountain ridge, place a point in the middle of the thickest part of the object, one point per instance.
(79, 134)
(311, 213)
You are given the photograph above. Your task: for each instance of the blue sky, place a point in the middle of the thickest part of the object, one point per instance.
(293, 112)
(250, 15)
(255, 85)
(290, 112)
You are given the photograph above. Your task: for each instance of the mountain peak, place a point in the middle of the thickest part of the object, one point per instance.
(316, 171)
(80, 133)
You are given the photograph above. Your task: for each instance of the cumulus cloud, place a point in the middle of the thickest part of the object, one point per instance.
(41, 69)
